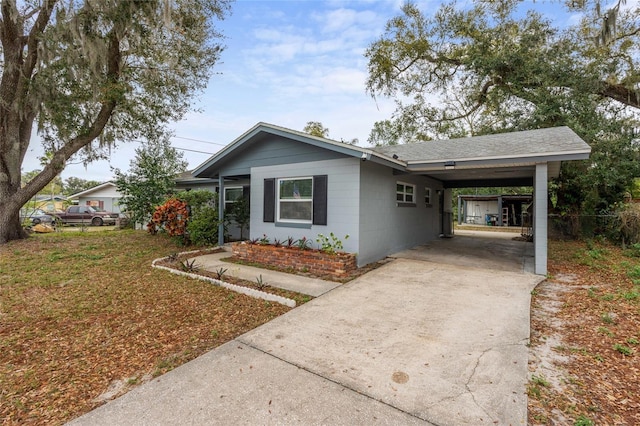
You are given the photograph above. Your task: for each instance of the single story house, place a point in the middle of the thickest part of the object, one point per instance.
(105, 196)
(493, 210)
(386, 199)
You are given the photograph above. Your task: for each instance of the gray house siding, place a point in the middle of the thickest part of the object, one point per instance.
(110, 204)
(385, 227)
(342, 201)
(274, 150)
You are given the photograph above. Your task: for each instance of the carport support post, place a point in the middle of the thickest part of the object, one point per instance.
(540, 190)
(220, 211)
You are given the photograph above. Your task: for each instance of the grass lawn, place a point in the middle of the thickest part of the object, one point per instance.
(84, 313)
(585, 337)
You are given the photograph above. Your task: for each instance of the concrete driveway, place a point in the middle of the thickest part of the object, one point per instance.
(412, 342)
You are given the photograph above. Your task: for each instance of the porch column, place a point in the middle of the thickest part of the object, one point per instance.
(459, 210)
(220, 210)
(540, 212)
(448, 213)
(500, 210)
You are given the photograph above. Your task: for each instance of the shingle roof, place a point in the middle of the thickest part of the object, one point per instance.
(554, 140)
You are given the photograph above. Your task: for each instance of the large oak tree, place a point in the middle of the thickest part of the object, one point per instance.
(494, 67)
(89, 73)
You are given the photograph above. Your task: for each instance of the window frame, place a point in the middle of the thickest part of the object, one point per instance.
(404, 193)
(278, 217)
(427, 196)
(229, 203)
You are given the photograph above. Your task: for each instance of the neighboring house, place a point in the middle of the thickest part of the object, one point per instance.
(386, 199)
(48, 203)
(104, 196)
(493, 210)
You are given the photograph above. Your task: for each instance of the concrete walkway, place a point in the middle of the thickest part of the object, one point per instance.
(305, 285)
(412, 342)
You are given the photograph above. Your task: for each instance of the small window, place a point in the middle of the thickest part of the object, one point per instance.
(405, 193)
(231, 195)
(427, 196)
(295, 199)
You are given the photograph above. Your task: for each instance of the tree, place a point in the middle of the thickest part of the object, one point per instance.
(90, 73)
(73, 185)
(489, 69)
(315, 128)
(151, 179)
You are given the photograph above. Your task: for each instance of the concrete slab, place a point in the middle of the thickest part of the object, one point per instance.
(238, 385)
(444, 343)
(479, 249)
(305, 285)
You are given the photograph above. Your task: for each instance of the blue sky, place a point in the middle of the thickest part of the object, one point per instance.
(286, 62)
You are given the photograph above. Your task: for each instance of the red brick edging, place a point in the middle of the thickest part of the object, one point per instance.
(310, 260)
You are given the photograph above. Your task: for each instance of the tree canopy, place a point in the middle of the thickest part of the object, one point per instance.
(151, 178)
(492, 67)
(88, 74)
(316, 128)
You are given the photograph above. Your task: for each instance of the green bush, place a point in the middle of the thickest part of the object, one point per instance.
(198, 199)
(203, 227)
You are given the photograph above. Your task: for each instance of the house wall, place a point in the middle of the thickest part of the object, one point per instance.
(108, 203)
(109, 196)
(342, 201)
(386, 228)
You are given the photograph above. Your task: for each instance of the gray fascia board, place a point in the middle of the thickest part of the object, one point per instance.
(507, 161)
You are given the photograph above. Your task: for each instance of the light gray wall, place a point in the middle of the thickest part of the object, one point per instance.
(110, 204)
(342, 200)
(386, 228)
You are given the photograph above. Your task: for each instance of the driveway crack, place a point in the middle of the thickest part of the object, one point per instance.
(466, 385)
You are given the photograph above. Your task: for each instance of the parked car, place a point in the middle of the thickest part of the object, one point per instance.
(78, 215)
(30, 217)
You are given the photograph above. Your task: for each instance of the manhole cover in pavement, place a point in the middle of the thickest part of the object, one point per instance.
(400, 377)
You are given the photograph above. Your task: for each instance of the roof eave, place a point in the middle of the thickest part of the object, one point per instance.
(507, 161)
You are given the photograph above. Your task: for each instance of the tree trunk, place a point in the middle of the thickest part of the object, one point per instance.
(10, 227)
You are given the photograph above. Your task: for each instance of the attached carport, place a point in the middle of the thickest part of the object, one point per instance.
(527, 158)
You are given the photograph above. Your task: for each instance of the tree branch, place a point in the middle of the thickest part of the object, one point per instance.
(108, 106)
(621, 94)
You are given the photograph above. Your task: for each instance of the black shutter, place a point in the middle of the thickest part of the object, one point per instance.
(320, 200)
(269, 213)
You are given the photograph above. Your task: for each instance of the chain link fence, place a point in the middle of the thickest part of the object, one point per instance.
(622, 227)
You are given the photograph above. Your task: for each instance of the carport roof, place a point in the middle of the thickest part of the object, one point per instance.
(558, 142)
(503, 159)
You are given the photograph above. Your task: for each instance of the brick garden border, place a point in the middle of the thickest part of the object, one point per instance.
(314, 261)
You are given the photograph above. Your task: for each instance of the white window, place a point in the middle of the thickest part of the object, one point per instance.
(405, 192)
(295, 199)
(427, 196)
(231, 195)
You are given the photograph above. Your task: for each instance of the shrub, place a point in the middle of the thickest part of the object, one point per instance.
(172, 216)
(198, 199)
(629, 224)
(203, 228)
(330, 244)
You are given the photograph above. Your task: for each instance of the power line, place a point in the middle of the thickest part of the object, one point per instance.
(200, 140)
